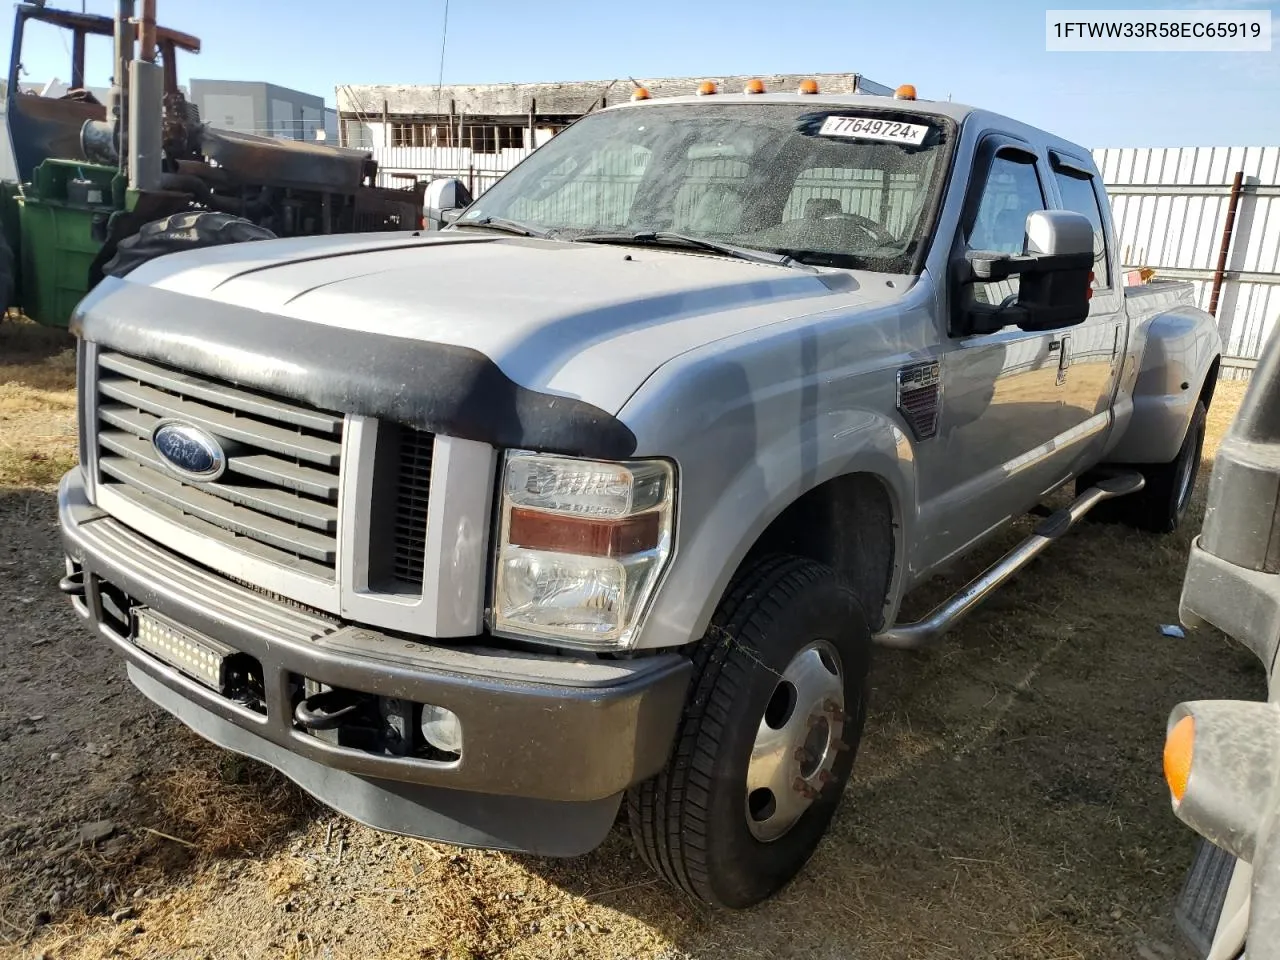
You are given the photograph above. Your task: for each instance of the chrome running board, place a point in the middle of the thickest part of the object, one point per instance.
(926, 632)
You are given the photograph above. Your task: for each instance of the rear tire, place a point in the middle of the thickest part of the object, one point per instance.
(696, 822)
(1162, 503)
(190, 230)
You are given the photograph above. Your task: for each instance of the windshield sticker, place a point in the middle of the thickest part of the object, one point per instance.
(867, 128)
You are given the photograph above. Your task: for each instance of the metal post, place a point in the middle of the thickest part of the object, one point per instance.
(118, 102)
(386, 125)
(533, 122)
(77, 60)
(1228, 231)
(147, 32)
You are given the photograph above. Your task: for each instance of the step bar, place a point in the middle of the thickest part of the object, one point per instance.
(927, 632)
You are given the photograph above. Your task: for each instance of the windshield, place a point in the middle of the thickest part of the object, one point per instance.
(841, 187)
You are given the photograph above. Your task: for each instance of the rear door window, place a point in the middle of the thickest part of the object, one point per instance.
(1080, 195)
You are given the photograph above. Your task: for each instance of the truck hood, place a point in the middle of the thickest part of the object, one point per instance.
(579, 320)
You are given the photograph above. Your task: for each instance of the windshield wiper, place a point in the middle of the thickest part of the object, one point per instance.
(664, 238)
(504, 225)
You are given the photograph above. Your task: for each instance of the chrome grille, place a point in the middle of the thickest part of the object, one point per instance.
(412, 489)
(277, 500)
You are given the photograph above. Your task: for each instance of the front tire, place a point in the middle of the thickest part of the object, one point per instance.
(768, 739)
(191, 230)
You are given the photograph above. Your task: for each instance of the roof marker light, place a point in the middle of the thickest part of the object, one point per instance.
(755, 85)
(808, 86)
(706, 88)
(905, 92)
(640, 93)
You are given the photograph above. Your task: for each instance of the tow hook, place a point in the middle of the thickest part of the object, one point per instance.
(326, 710)
(73, 584)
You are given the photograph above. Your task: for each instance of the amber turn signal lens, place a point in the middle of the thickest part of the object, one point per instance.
(754, 86)
(640, 93)
(1179, 748)
(587, 537)
(808, 86)
(905, 92)
(706, 88)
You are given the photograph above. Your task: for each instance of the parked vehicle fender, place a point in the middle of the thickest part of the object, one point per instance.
(741, 470)
(1178, 349)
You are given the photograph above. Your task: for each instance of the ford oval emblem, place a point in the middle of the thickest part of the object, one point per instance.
(187, 450)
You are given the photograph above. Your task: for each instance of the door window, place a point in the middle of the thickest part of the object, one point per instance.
(1012, 192)
(1079, 195)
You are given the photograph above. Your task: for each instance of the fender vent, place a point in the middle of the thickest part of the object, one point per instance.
(920, 397)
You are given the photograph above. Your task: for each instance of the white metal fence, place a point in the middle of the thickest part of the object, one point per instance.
(479, 171)
(1170, 207)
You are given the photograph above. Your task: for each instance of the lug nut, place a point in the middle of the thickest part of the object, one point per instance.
(824, 777)
(802, 788)
(833, 708)
(839, 746)
(802, 755)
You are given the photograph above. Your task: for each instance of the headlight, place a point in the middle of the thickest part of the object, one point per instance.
(581, 547)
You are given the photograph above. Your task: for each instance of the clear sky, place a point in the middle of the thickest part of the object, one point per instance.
(984, 52)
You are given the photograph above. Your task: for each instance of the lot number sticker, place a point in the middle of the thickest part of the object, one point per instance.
(866, 128)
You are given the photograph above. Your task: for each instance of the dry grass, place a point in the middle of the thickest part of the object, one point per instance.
(37, 405)
(1007, 804)
(230, 807)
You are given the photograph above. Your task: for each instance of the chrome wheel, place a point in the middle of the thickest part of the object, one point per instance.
(797, 741)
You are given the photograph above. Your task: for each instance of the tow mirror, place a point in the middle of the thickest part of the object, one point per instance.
(1054, 277)
(444, 200)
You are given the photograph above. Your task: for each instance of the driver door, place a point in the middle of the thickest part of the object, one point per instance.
(1001, 410)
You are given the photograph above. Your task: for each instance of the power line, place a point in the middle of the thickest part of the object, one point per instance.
(444, 38)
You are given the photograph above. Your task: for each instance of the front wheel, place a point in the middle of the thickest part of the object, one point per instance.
(768, 739)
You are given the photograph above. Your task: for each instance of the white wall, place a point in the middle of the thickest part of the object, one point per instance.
(229, 112)
(283, 118)
(312, 121)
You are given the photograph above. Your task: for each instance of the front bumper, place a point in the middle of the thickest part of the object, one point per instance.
(549, 742)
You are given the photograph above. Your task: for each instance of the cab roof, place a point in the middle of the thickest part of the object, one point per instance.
(956, 111)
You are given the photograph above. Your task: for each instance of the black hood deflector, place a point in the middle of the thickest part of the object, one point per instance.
(446, 389)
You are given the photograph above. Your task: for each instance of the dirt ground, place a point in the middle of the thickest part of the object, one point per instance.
(1008, 802)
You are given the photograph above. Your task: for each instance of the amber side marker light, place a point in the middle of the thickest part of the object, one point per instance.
(754, 86)
(706, 88)
(584, 536)
(1179, 747)
(808, 86)
(640, 93)
(905, 92)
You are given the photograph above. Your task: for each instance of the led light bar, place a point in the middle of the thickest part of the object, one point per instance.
(199, 657)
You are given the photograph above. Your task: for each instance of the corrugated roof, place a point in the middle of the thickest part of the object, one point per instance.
(551, 99)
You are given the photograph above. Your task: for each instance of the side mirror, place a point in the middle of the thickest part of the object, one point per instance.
(1054, 277)
(443, 197)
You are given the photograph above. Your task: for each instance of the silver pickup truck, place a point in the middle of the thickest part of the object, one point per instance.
(607, 490)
